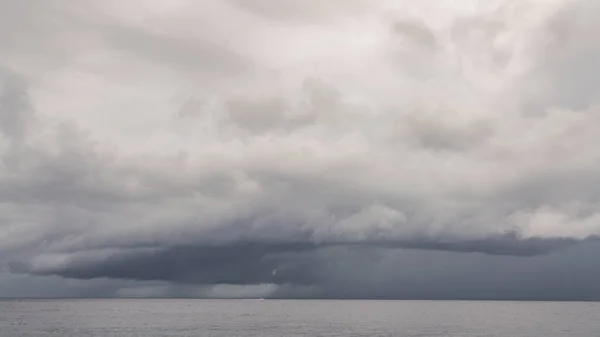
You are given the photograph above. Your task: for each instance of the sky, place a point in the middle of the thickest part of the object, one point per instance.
(411, 149)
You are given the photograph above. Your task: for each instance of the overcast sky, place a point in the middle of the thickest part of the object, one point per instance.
(300, 148)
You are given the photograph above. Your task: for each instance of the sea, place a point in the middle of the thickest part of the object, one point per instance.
(266, 318)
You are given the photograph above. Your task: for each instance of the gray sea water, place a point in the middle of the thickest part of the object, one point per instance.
(158, 317)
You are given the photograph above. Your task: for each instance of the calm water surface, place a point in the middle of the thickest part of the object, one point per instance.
(296, 318)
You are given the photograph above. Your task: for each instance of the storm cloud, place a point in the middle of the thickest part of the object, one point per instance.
(300, 148)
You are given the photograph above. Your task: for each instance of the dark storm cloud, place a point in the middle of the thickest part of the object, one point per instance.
(253, 263)
(346, 149)
(364, 272)
(239, 264)
(572, 274)
(501, 245)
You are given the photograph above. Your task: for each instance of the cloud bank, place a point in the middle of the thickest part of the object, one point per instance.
(243, 143)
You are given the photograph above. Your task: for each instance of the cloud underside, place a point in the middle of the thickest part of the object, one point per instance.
(338, 272)
(249, 263)
(164, 143)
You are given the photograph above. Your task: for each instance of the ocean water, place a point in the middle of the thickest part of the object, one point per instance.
(158, 317)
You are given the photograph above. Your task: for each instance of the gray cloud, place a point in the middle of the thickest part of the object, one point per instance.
(301, 11)
(254, 263)
(418, 274)
(299, 145)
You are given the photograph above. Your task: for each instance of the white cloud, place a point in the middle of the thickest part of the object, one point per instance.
(147, 123)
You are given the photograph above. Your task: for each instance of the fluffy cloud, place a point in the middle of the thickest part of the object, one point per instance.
(251, 142)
